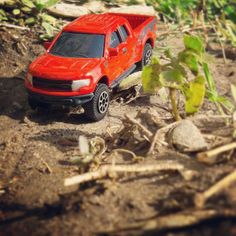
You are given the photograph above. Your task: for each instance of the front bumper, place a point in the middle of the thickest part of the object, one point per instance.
(61, 100)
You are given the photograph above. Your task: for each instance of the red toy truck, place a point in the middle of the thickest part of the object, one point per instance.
(88, 58)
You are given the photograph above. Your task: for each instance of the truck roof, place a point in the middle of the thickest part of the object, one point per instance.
(94, 23)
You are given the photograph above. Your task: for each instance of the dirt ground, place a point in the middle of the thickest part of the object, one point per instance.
(35, 202)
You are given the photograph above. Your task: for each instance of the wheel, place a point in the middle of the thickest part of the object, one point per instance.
(147, 54)
(96, 109)
(34, 104)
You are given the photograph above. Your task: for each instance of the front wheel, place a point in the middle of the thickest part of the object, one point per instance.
(96, 109)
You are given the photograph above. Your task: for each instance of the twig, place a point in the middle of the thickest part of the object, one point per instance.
(174, 221)
(14, 27)
(201, 198)
(125, 151)
(140, 126)
(203, 156)
(220, 41)
(110, 170)
(156, 140)
(181, 30)
(47, 166)
(160, 136)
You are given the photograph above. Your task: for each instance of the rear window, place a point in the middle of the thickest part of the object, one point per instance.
(79, 45)
(115, 39)
(124, 33)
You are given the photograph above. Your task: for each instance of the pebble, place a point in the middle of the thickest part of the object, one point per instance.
(186, 137)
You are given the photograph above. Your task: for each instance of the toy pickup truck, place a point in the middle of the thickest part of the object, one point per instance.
(88, 58)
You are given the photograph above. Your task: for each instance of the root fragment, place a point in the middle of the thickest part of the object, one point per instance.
(209, 156)
(47, 166)
(175, 221)
(145, 131)
(217, 188)
(108, 170)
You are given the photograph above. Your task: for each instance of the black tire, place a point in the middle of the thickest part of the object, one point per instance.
(96, 109)
(147, 54)
(34, 104)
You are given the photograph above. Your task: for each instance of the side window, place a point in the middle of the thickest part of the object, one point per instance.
(115, 39)
(124, 33)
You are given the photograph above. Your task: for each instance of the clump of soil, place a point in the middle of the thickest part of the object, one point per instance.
(17, 50)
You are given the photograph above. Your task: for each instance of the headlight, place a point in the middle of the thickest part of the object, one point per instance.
(30, 78)
(77, 84)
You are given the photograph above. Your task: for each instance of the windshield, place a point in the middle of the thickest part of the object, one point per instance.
(79, 45)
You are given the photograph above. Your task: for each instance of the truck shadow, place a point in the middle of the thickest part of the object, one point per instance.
(63, 139)
(13, 98)
(14, 104)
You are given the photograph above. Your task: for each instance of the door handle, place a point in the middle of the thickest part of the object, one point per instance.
(124, 50)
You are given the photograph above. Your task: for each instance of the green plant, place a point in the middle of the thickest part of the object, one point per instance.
(212, 94)
(27, 12)
(174, 76)
(183, 73)
(176, 10)
(226, 30)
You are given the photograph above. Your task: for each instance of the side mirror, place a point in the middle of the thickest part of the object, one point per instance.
(113, 52)
(47, 45)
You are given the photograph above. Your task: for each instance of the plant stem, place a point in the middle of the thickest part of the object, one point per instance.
(173, 104)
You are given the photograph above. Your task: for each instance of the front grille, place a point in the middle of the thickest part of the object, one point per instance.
(53, 85)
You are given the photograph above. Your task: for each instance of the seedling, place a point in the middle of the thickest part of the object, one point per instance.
(174, 76)
(183, 73)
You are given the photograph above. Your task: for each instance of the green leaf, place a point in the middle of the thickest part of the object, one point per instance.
(30, 21)
(209, 79)
(49, 29)
(150, 78)
(28, 3)
(194, 94)
(194, 43)
(225, 103)
(42, 4)
(47, 18)
(233, 91)
(2, 12)
(168, 53)
(16, 12)
(172, 78)
(190, 59)
(26, 9)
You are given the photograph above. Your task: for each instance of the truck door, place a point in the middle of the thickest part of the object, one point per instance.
(115, 65)
(127, 47)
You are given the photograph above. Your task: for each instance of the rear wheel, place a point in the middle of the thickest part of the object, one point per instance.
(96, 109)
(147, 54)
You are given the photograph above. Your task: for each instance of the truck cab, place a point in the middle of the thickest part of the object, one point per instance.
(88, 58)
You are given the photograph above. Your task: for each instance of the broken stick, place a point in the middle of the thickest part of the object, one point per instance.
(140, 126)
(110, 170)
(205, 156)
(201, 198)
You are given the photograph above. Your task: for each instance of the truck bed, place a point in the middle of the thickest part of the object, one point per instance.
(137, 22)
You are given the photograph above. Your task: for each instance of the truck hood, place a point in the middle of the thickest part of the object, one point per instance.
(50, 66)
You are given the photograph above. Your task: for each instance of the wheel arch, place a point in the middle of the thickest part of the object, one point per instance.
(103, 80)
(150, 41)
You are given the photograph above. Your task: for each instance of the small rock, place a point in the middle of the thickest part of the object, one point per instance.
(137, 2)
(17, 105)
(95, 6)
(133, 9)
(186, 137)
(68, 10)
